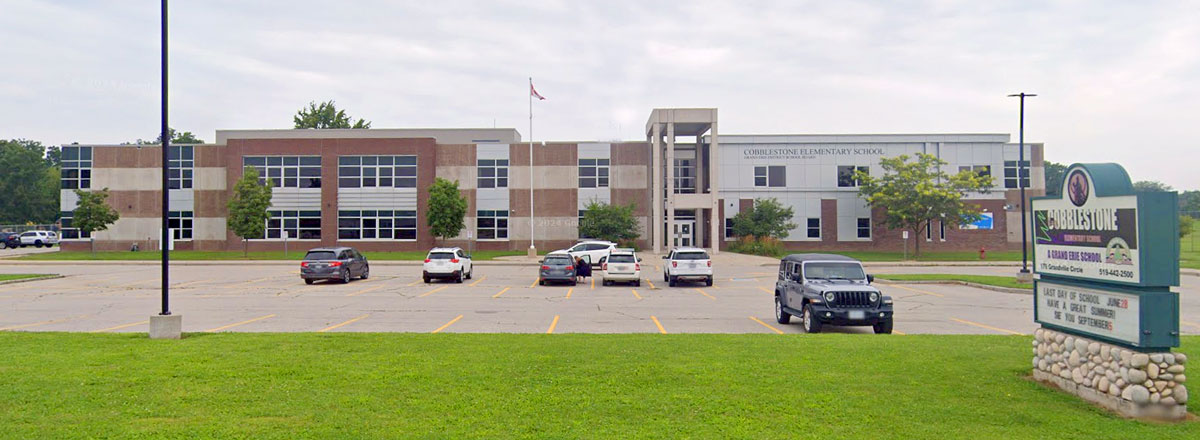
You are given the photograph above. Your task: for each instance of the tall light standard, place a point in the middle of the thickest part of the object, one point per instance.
(1021, 175)
(165, 325)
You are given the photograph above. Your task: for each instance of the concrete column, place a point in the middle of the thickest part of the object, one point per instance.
(714, 161)
(656, 188)
(670, 171)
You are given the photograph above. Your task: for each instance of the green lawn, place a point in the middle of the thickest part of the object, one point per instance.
(925, 256)
(990, 280)
(237, 255)
(1189, 251)
(22, 276)
(362, 385)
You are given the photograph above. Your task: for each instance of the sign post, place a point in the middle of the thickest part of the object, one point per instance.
(905, 235)
(1106, 258)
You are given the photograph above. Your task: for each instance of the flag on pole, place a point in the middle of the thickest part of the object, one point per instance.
(533, 92)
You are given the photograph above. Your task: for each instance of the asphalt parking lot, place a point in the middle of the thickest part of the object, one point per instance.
(501, 298)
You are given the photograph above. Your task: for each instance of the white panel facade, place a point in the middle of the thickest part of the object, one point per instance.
(354, 199)
(296, 198)
(182, 200)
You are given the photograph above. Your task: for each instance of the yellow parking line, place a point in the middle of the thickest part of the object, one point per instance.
(52, 321)
(635, 293)
(925, 292)
(593, 283)
(534, 283)
(1190, 323)
(413, 283)
(501, 292)
(898, 332)
(657, 268)
(120, 326)
(478, 281)
(767, 325)
(226, 327)
(452, 321)
(247, 283)
(569, 292)
(189, 283)
(702, 292)
(553, 324)
(431, 291)
(360, 318)
(659, 324)
(651, 283)
(1001, 330)
(369, 289)
(764, 289)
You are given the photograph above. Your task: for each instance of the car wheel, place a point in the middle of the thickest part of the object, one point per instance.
(811, 323)
(637, 283)
(37, 243)
(308, 281)
(666, 278)
(883, 328)
(345, 276)
(366, 272)
(671, 282)
(573, 282)
(708, 281)
(471, 272)
(459, 278)
(426, 280)
(541, 282)
(781, 316)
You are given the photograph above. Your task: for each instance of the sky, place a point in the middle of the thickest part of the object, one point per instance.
(1117, 81)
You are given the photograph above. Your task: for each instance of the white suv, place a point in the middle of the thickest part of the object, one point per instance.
(591, 250)
(687, 263)
(39, 238)
(621, 265)
(447, 263)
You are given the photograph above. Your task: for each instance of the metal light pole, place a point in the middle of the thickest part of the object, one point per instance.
(1021, 184)
(166, 146)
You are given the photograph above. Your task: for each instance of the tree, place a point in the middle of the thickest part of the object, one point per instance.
(248, 207)
(767, 218)
(1189, 203)
(447, 209)
(913, 194)
(92, 214)
(29, 185)
(177, 138)
(325, 115)
(1054, 177)
(1151, 186)
(1186, 225)
(604, 221)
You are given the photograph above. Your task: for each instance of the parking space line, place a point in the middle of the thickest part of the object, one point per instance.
(1001, 330)
(534, 283)
(452, 321)
(227, 327)
(501, 292)
(898, 332)
(369, 289)
(651, 283)
(553, 324)
(360, 318)
(593, 283)
(767, 325)
(247, 283)
(702, 292)
(659, 325)
(764, 289)
(635, 293)
(35, 324)
(569, 290)
(478, 281)
(924, 292)
(413, 283)
(1190, 324)
(118, 327)
(431, 291)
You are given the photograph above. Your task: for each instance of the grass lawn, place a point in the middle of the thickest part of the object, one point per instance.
(1189, 251)
(354, 385)
(237, 255)
(925, 256)
(991, 280)
(21, 276)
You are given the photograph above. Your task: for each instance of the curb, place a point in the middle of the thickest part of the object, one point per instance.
(963, 283)
(26, 280)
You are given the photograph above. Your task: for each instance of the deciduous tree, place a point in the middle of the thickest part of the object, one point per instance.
(1054, 177)
(447, 209)
(28, 183)
(92, 214)
(325, 115)
(767, 218)
(248, 207)
(604, 221)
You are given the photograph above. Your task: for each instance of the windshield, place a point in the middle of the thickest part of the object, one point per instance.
(621, 259)
(319, 255)
(691, 256)
(834, 271)
(558, 261)
(441, 255)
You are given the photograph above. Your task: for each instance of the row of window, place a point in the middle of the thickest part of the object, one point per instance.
(76, 168)
(377, 172)
(377, 225)
(287, 171)
(812, 227)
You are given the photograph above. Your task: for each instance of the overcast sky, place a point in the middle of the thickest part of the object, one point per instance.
(1118, 81)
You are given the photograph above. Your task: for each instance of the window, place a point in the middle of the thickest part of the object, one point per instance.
(377, 225)
(729, 228)
(929, 231)
(493, 173)
(492, 225)
(864, 227)
(179, 159)
(942, 231)
(685, 176)
(287, 171)
(304, 225)
(846, 175)
(66, 231)
(76, 171)
(180, 223)
(1010, 174)
(593, 173)
(377, 172)
(814, 227)
(770, 176)
(982, 170)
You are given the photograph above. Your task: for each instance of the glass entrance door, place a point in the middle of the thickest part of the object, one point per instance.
(683, 233)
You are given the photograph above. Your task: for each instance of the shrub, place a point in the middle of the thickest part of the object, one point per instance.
(765, 246)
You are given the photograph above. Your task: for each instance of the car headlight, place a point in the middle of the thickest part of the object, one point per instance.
(828, 297)
(874, 297)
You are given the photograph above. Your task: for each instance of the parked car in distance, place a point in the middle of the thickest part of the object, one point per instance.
(9, 240)
(39, 238)
(557, 266)
(447, 263)
(335, 263)
(687, 264)
(591, 250)
(827, 289)
(621, 265)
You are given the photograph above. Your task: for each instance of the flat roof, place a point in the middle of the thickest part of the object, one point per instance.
(441, 135)
(862, 138)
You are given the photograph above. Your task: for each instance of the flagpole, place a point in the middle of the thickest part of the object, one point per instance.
(532, 249)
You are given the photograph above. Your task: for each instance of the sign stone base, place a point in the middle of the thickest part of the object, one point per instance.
(1130, 383)
(166, 326)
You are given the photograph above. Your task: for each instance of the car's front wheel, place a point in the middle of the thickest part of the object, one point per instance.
(883, 328)
(471, 272)
(308, 281)
(37, 243)
(811, 323)
(781, 316)
(366, 272)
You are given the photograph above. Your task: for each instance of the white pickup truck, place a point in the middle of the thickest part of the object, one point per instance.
(687, 263)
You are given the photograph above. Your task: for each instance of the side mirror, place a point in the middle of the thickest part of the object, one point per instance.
(541, 261)
(468, 256)
(666, 257)
(639, 259)
(870, 278)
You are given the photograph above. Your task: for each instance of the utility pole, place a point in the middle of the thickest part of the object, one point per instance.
(165, 325)
(1022, 174)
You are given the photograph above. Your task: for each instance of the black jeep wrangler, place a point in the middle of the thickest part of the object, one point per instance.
(829, 289)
